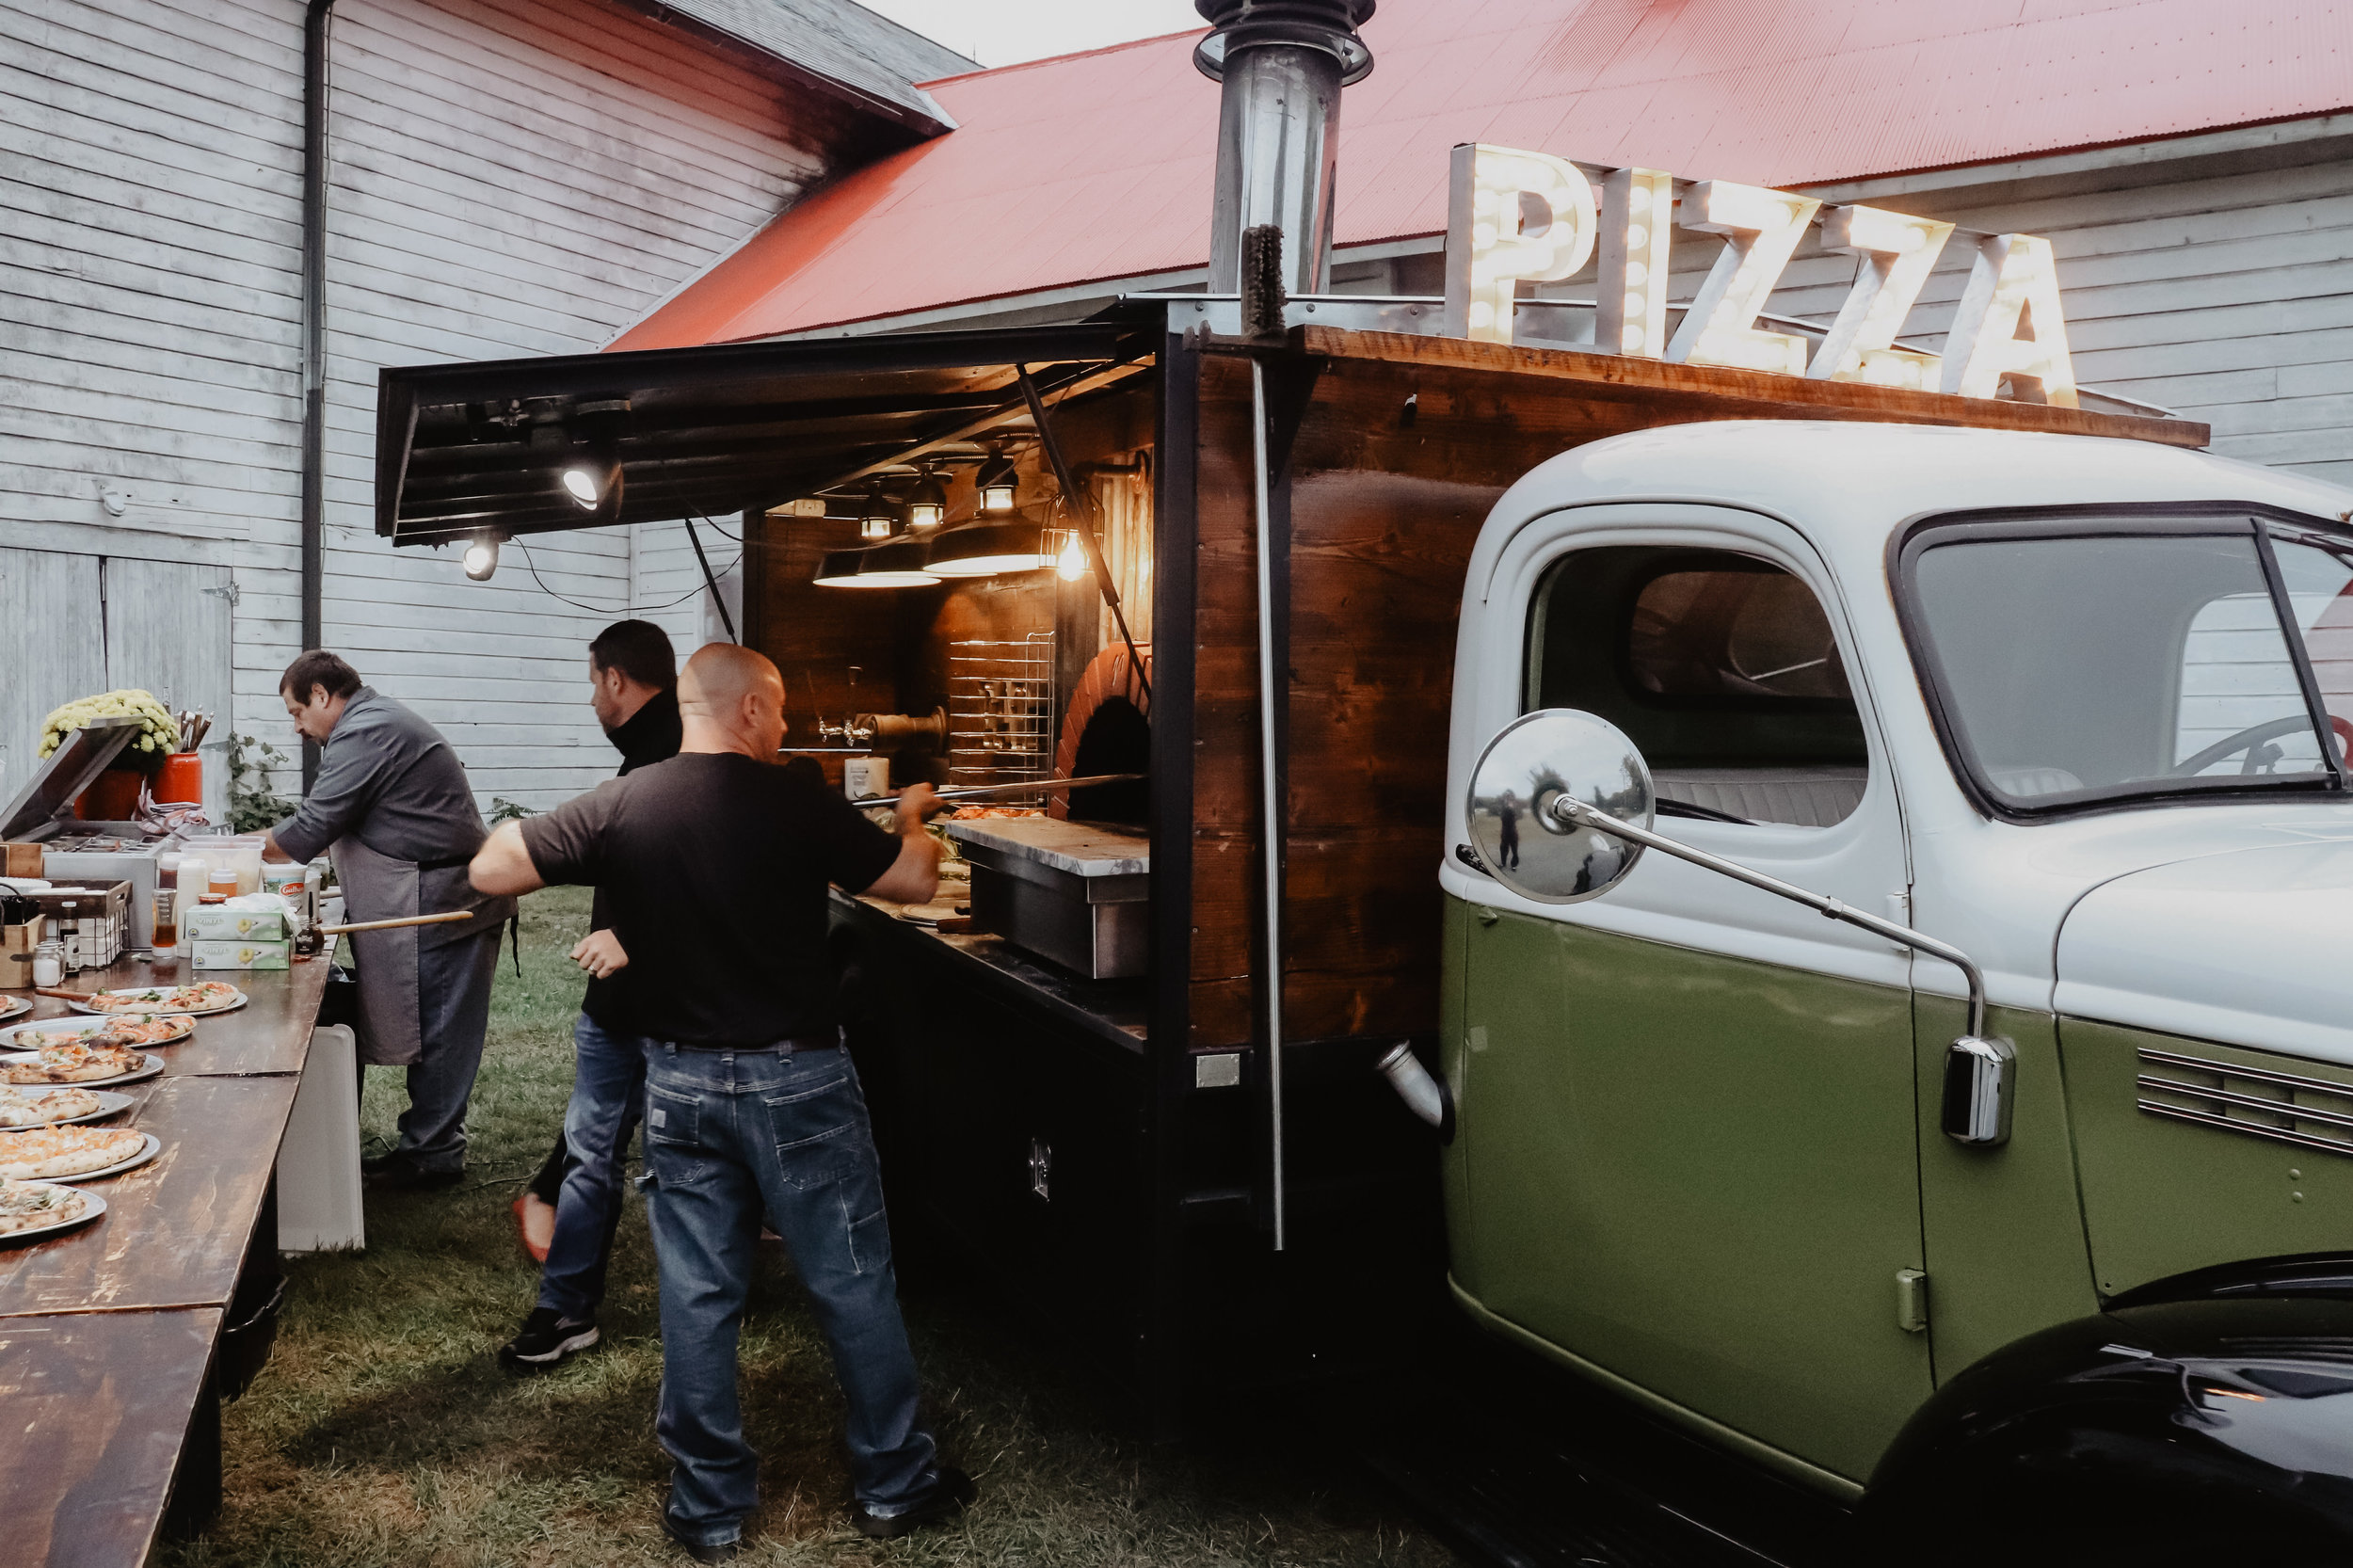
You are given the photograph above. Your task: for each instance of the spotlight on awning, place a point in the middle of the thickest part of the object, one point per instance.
(482, 557)
(593, 478)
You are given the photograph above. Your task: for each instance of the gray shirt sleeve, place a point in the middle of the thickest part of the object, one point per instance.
(389, 778)
(352, 770)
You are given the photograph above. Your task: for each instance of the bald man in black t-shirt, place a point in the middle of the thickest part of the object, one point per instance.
(715, 865)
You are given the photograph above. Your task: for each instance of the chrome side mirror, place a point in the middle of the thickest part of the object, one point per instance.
(1978, 1088)
(1588, 792)
(1514, 818)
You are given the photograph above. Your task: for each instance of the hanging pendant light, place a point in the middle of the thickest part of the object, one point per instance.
(989, 549)
(880, 518)
(995, 481)
(896, 565)
(927, 503)
(1065, 552)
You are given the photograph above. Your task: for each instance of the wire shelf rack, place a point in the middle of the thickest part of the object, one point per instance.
(1000, 712)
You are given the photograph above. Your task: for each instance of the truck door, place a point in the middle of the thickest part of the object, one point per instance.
(1688, 1107)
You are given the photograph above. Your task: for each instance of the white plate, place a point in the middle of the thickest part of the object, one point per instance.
(109, 1105)
(154, 1066)
(11, 1006)
(149, 1147)
(12, 1037)
(92, 1207)
(158, 992)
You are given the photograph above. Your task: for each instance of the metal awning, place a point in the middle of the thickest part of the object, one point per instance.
(464, 450)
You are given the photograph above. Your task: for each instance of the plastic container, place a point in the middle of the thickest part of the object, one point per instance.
(222, 883)
(239, 852)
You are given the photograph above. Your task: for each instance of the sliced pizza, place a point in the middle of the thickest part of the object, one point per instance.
(51, 1153)
(19, 1108)
(205, 996)
(35, 1204)
(76, 1062)
(149, 1028)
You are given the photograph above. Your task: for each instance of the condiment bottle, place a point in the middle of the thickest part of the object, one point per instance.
(194, 878)
(166, 900)
(48, 959)
(223, 881)
(72, 939)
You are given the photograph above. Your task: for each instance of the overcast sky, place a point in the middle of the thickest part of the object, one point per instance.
(1006, 32)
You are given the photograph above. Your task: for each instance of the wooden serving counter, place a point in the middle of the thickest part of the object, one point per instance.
(119, 1338)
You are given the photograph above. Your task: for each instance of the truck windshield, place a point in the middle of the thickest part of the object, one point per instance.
(2082, 663)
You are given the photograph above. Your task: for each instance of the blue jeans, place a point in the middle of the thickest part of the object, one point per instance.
(608, 1091)
(731, 1136)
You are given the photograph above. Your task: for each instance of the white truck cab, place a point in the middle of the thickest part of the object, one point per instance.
(2031, 696)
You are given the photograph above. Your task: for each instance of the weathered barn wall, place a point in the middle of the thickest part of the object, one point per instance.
(510, 176)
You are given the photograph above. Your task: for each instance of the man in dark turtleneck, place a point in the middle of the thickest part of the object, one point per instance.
(573, 1207)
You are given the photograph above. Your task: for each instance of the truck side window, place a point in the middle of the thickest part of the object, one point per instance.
(1721, 667)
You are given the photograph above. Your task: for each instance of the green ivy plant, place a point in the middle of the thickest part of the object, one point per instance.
(253, 806)
(503, 809)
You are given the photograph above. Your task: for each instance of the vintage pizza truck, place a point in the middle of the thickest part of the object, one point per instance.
(1517, 687)
(2035, 686)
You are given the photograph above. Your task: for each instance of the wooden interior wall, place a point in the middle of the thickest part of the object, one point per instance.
(845, 651)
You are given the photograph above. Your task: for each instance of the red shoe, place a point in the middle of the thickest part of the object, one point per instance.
(534, 1226)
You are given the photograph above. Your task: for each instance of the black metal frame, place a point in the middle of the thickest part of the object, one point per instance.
(402, 390)
(2201, 519)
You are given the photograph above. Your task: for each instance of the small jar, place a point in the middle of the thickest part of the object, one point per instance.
(224, 881)
(49, 962)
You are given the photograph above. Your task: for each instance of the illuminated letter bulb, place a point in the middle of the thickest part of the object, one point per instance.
(1488, 250)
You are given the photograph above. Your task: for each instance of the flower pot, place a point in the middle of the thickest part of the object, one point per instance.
(112, 797)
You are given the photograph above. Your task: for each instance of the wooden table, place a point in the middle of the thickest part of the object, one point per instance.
(112, 1366)
(96, 1408)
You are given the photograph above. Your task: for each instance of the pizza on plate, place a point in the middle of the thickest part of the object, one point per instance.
(201, 997)
(30, 1205)
(147, 1029)
(47, 1153)
(19, 1108)
(78, 1062)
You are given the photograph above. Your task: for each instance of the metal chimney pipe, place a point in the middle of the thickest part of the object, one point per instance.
(1283, 64)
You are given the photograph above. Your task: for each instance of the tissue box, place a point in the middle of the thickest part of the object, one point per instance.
(218, 922)
(240, 955)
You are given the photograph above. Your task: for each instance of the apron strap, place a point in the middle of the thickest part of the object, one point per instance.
(514, 937)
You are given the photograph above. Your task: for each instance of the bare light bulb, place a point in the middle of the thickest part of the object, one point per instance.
(1071, 564)
(583, 487)
(482, 559)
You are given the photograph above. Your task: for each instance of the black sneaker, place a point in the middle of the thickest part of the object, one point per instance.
(725, 1551)
(546, 1340)
(949, 1496)
(400, 1172)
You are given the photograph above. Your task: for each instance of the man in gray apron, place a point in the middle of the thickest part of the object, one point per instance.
(392, 806)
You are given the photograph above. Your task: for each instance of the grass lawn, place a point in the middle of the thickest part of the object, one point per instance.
(384, 1432)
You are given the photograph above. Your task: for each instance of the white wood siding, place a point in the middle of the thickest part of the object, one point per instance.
(510, 176)
(520, 177)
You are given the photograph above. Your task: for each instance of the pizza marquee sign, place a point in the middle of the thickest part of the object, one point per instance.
(1514, 215)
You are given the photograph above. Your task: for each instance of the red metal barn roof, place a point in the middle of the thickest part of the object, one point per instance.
(1098, 166)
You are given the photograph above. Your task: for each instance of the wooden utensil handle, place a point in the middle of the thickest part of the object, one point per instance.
(443, 918)
(70, 996)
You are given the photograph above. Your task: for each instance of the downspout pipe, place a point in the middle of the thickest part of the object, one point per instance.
(315, 173)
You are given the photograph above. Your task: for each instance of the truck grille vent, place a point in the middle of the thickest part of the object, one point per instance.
(2307, 1112)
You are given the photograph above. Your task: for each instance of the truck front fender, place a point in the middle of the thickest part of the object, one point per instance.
(2224, 1398)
